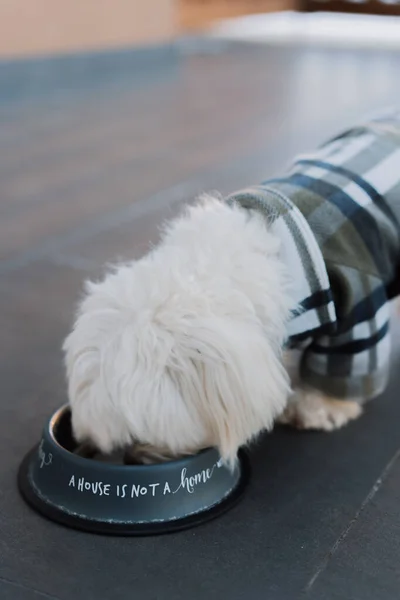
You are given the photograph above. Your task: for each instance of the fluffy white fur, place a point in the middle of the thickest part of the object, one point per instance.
(182, 349)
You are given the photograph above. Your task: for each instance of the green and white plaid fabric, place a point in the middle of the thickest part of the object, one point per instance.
(337, 212)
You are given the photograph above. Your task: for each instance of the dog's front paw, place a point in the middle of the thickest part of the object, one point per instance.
(312, 410)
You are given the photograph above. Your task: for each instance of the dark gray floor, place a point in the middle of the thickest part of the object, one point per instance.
(87, 174)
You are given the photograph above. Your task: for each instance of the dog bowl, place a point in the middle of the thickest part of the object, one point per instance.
(122, 499)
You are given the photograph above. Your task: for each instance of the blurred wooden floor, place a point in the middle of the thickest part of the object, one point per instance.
(86, 178)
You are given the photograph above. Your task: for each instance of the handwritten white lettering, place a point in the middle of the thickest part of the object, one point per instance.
(97, 488)
(135, 491)
(123, 490)
(45, 459)
(188, 483)
(153, 488)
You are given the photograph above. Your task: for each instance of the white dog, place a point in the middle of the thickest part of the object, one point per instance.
(184, 348)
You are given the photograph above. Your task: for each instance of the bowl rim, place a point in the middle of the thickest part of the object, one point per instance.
(98, 464)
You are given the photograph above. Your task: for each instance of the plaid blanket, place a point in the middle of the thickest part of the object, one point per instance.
(337, 212)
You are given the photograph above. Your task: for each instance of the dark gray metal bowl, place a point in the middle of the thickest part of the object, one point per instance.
(122, 499)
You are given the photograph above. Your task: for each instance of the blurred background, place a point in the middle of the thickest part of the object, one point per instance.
(47, 27)
(113, 114)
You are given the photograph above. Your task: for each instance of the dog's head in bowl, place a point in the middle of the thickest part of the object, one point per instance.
(181, 350)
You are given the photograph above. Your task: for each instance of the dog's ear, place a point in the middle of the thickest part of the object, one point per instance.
(236, 378)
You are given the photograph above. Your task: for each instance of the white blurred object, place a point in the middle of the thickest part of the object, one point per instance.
(322, 28)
